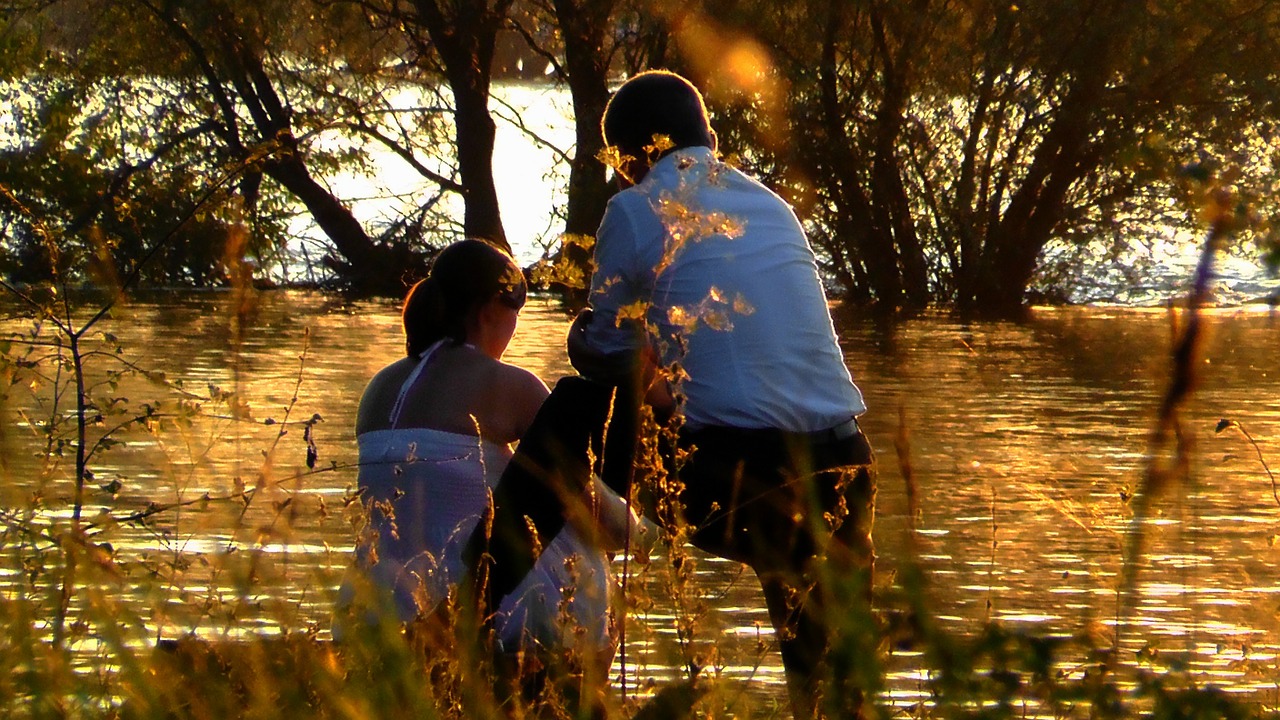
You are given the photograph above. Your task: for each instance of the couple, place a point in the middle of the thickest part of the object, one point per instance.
(706, 288)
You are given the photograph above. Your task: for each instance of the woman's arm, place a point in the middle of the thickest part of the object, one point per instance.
(517, 399)
(609, 519)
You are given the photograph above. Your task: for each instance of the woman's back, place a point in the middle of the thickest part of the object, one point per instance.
(460, 389)
(433, 438)
(435, 431)
(425, 490)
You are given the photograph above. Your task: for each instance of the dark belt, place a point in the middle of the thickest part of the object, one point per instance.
(843, 431)
(837, 433)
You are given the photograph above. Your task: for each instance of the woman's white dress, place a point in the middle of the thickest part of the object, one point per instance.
(425, 491)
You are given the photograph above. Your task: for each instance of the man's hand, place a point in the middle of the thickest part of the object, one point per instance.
(610, 368)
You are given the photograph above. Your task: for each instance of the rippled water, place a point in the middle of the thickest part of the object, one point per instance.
(1027, 442)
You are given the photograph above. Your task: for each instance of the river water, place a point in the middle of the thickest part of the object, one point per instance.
(1027, 442)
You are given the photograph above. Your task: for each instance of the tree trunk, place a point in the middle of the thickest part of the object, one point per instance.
(970, 214)
(890, 206)
(366, 266)
(870, 243)
(583, 26)
(465, 44)
(475, 138)
(1065, 156)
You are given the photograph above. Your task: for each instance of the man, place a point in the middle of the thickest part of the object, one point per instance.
(716, 271)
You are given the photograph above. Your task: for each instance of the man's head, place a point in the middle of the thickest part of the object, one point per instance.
(656, 103)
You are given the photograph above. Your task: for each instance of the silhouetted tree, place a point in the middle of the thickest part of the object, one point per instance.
(205, 89)
(938, 149)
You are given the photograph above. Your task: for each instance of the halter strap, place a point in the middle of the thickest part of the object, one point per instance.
(423, 361)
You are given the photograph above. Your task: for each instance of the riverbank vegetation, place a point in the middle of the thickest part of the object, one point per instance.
(940, 153)
(196, 596)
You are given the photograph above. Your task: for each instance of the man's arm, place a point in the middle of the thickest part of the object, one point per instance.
(619, 291)
(609, 341)
(606, 339)
(613, 368)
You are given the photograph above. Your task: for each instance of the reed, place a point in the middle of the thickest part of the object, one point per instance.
(112, 608)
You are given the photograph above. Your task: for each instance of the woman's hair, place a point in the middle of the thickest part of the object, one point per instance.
(656, 102)
(463, 277)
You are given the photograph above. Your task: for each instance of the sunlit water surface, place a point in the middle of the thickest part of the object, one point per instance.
(1027, 443)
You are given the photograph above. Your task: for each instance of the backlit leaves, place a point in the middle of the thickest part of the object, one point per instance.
(685, 223)
(633, 312)
(612, 157)
(568, 266)
(716, 312)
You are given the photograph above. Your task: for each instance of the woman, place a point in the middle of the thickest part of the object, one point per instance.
(435, 430)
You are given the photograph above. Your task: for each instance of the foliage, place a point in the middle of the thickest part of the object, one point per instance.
(939, 149)
(954, 153)
(114, 609)
(143, 99)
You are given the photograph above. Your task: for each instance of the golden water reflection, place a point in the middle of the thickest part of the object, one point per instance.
(1028, 442)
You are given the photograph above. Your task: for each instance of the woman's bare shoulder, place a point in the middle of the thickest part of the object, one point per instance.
(380, 395)
(518, 377)
(517, 394)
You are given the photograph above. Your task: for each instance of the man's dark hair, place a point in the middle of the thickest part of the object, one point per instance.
(656, 102)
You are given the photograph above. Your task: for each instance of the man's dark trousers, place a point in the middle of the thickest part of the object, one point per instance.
(798, 509)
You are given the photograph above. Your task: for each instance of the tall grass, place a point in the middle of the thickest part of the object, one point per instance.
(116, 606)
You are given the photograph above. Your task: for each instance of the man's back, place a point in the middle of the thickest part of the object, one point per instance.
(774, 470)
(734, 296)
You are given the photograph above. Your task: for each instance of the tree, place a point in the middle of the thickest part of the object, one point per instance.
(940, 152)
(939, 148)
(582, 62)
(206, 87)
(68, 171)
(455, 40)
(575, 37)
